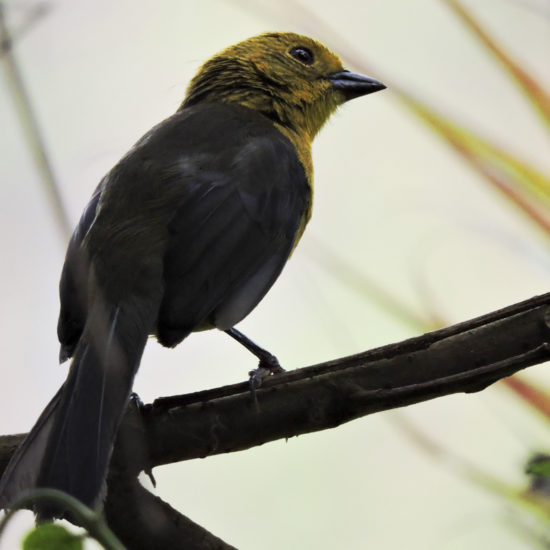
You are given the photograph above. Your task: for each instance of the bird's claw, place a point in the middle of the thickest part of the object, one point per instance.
(257, 377)
(268, 365)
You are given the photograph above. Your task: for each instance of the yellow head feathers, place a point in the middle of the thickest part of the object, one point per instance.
(285, 76)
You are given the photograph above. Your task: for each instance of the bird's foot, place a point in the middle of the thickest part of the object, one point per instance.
(268, 365)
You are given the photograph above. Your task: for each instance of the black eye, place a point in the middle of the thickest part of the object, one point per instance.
(303, 55)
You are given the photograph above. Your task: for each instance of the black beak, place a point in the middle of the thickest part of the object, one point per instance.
(354, 85)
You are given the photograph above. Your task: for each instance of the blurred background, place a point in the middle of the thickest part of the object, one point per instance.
(431, 207)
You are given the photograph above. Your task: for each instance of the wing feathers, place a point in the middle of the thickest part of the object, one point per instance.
(233, 231)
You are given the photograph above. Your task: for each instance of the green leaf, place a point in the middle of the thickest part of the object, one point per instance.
(539, 467)
(51, 536)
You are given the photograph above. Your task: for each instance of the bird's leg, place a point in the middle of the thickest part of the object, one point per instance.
(269, 364)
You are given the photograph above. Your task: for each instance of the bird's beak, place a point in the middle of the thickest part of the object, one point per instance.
(354, 85)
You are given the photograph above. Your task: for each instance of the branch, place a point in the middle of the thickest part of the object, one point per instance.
(143, 521)
(466, 357)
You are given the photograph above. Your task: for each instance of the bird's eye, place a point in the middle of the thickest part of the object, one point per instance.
(303, 55)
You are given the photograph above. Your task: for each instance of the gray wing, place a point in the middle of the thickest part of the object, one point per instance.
(232, 235)
(72, 315)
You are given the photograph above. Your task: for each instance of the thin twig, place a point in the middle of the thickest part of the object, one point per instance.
(29, 124)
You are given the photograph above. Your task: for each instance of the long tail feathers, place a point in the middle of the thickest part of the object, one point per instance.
(70, 446)
(22, 472)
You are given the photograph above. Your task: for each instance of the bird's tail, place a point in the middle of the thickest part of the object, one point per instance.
(70, 446)
(21, 473)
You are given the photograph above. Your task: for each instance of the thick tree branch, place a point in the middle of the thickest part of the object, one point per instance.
(465, 357)
(142, 521)
(462, 358)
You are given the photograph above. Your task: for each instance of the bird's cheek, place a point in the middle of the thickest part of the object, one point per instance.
(304, 95)
(336, 97)
(323, 89)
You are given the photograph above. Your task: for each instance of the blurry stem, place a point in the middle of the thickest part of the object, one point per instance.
(450, 134)
(349, 275)
(33, 14)
(29, 125)
(92, 521)
(537, 505)
(536, 397)
(533, 7)
(533, 91)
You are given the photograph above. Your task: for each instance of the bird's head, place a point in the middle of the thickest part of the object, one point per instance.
(292, 79)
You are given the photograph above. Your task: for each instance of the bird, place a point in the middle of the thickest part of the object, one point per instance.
(187, 232)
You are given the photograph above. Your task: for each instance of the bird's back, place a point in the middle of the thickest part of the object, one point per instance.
(220, 191)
